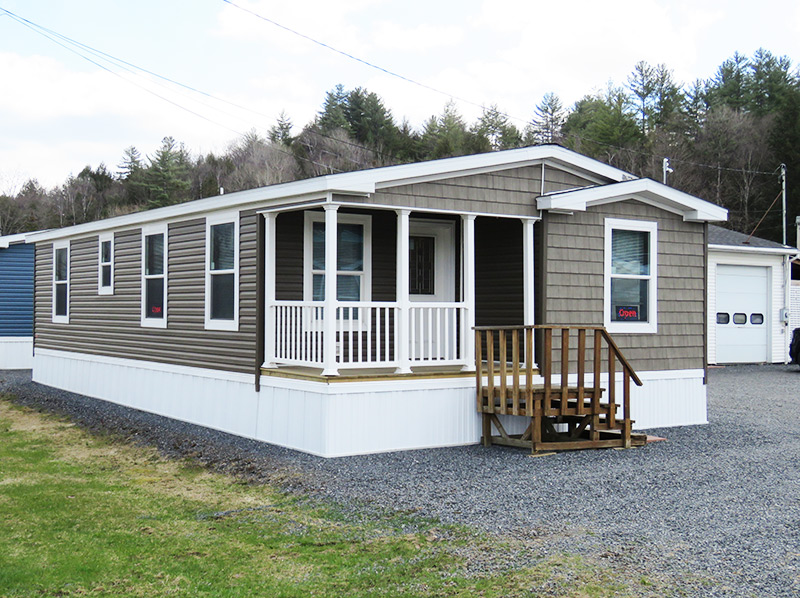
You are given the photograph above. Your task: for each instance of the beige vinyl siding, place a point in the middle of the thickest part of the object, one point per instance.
(574, 277)
(111, 324)
(509, 192)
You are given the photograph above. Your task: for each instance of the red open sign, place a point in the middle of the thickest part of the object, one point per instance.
(155, 310)
(628, 313)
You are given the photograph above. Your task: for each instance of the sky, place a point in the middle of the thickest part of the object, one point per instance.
(60, 111)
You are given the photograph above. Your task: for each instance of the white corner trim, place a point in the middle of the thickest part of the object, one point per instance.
(617, 327)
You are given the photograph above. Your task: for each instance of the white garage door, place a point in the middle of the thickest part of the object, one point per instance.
(742, 314)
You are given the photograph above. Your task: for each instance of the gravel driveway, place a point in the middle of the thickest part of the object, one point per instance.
(714, 510)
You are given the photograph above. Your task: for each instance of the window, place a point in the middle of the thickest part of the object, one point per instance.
(105, 267)
(421, 265)
(740, 319)
(154, 276)
(222, 272)
(630, 290)
(61, 282)
(723, 318)
(353, 250)
(757, 319)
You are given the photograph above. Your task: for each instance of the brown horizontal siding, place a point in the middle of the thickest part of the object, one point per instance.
(574, 274)
(110, 324)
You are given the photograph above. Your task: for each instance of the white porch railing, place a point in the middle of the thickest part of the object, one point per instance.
(367, 334)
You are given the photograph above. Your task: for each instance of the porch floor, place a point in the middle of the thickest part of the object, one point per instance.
(367, 374)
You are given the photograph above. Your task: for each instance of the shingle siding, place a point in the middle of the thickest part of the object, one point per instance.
(574, 274)
(16, 290)
(509, 192)
(111, 324)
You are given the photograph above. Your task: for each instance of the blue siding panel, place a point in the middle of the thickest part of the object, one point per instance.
(16, 290)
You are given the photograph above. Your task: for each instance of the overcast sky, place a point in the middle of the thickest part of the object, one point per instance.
(59, 112)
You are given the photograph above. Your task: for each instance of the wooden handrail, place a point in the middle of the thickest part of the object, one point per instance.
(581, 404)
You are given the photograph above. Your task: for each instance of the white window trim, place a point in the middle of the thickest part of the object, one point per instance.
(56, 246)
(651, 326)
(155, 229)
(101, 290)
(213, 220)
(308, 252)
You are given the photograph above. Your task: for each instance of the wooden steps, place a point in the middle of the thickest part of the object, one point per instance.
(571, 417)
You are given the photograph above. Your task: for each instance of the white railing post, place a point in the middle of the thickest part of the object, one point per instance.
(402, 318)
(528, 285)
(269, 291)
(329, 315)
(467, 335)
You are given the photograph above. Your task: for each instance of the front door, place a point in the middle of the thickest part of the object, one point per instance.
(432, 280)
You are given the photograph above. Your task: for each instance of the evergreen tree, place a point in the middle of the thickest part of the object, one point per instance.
(494, 131)
(332, 117)
(167, 176)
(281, 131)
(547, 122)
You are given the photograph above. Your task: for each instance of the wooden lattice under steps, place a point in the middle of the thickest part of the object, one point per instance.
(561, 417)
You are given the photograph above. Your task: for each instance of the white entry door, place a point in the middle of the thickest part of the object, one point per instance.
(432, 281)
(742, 314)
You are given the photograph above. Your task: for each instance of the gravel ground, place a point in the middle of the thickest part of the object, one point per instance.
(712, 511)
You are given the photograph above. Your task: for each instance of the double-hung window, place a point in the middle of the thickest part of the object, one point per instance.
(154, 276)
(630, 290)
(353, 258)
(222, 272)
(61, 282)
(105, 261)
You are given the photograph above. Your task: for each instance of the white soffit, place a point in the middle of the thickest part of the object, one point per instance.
(693, 209)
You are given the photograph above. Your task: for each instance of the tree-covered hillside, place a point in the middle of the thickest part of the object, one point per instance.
(725, 138)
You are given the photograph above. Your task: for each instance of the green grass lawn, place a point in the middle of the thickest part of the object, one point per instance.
(87, 516)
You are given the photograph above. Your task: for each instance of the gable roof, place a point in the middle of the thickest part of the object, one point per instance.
(731, 240)
(358, 183)
(647, 191)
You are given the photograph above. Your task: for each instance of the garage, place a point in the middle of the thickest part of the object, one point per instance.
(748, 291)
(742, 314)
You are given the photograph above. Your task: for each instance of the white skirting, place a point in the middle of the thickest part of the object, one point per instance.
(16, 352)
(328, 419)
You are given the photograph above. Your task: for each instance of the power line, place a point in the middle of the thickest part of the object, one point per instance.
(54, 37)
(467, 101)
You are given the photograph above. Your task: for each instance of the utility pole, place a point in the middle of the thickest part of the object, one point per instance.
(665, 169)
(783, 192)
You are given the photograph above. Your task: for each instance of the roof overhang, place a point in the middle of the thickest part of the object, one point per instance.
(12, 240)
(359, 183)
(691, 208)
(791, 251)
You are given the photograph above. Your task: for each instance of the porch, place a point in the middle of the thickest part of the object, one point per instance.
(393, 292)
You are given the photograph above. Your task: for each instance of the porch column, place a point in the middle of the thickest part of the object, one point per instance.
(329, 311)
(528, 285)
(467, 334)
(269, 290)
(403, 318)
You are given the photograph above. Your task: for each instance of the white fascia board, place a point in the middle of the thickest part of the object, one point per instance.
(362, 182)
(760, 250)
(12, 240)
(692, 208)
